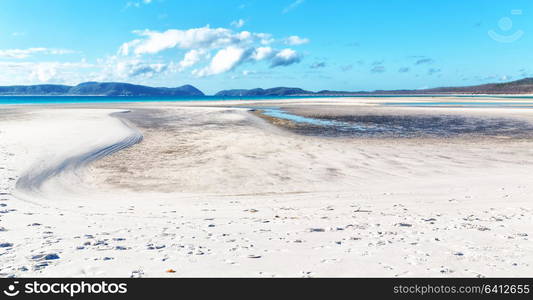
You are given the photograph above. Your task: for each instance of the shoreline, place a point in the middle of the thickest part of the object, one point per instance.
(206, 100)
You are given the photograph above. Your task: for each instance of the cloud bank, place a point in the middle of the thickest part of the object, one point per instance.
(199, 52)
(220, 50)
(25, 53)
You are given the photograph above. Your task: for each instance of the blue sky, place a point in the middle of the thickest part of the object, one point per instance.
(313, 44)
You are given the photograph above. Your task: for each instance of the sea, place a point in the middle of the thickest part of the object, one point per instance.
(10, 100)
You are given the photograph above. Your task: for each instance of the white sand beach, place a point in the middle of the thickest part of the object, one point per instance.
(213, 189)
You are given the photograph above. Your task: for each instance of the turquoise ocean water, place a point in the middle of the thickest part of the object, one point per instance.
(10, 100)
(105, 99)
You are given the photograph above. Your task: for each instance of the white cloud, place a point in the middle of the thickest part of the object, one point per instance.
(204, 37)
(294, 40)
(238, 23)
(192, 57)
(44, 72)
(41, 72)
(25, 53)
(225, 60)
(378, 69)
(210, 51)
(118, 67)
(505, 78)
(133, 68)
(285, 57)
(138, 4)
(225, 48)
(128, 47)
(262, 53)
(20, 53)
(292, 6)
(60, 51)
(432, 71)
(229, 58)
(265, 38)
(318, 65)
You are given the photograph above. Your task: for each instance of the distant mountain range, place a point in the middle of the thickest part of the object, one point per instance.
(522, 86)
(277, 91)
(98, 89)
